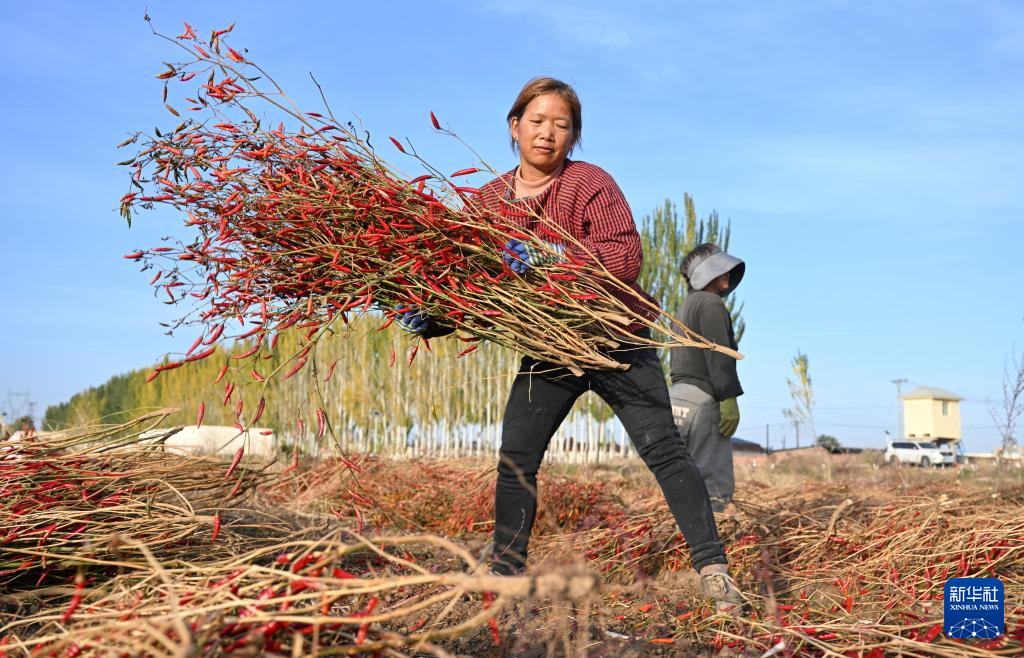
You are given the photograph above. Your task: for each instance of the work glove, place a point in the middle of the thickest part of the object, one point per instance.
(521, 256)
(414, 321)
(729, 410)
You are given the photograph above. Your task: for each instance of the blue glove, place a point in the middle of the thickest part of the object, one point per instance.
(525, 255)
(414, 321)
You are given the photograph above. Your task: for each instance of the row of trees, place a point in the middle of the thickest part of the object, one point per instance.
(438, 404)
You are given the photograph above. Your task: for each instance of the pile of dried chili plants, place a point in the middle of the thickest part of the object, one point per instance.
(301, 598)
(293, 229)
(64, 497)
(114, 547)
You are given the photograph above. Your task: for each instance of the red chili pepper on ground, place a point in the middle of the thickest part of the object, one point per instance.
(216, 527)
(76, 598)
(365, 628)
(932, 633)
(492, 622)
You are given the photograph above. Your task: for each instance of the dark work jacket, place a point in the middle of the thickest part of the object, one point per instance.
(712, 372)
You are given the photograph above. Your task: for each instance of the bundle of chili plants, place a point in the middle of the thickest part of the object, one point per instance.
(65, 497)
(293, 228)
(304, 597)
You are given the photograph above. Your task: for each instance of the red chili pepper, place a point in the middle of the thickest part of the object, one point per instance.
(220, 375)
(215, 334)
(234, 462)
(260, 406)
(467, 350)
(433, 120)
(932, 633)
(492, 622)
(364, 628)
(76, 598)
(200, 414)
(321, 422)
(228, 389)
(397, 144)
(216, 527)
(464, 172)
(199, 356)
(247, 353)
(238, 485)
(295, 462)
(295, 368)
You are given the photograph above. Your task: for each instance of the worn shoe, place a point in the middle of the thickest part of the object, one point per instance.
(497, 566)
(721, 588)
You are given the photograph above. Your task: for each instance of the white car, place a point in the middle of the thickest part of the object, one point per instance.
(918, 453)
(948, 456)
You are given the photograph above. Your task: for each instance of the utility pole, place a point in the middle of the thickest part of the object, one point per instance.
(899, 405)
(767, 438)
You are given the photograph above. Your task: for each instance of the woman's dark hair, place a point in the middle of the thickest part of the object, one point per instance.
(700, 252)
(538, 87)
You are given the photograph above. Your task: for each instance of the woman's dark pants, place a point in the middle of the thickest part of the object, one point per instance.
(542, 396)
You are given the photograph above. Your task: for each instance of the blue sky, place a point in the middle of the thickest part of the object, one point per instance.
(869, 154)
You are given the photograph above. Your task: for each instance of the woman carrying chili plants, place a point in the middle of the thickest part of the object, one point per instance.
(545, 124)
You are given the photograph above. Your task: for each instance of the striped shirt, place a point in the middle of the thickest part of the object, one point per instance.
(585, 202)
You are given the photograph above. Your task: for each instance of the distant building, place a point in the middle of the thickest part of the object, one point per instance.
(932, 414)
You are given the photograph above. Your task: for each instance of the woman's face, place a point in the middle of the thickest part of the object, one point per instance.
(543, 134)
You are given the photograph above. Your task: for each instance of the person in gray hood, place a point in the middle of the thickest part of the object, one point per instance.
(704, 383)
